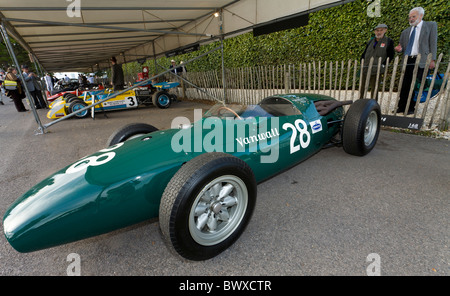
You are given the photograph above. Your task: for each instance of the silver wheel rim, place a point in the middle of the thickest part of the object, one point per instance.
(218, 210)
(371, 128)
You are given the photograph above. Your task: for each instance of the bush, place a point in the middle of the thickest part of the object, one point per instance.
(334, 34)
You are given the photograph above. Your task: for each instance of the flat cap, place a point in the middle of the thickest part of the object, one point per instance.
(381, 26)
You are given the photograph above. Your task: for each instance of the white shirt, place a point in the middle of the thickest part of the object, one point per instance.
(415, 48)
(48, 81)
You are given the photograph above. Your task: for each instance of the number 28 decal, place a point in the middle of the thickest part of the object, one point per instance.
(95, 160)
(303, 133)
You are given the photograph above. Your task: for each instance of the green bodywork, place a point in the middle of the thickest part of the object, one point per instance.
(122, 185)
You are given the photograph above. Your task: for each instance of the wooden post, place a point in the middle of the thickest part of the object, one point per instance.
(413, 83)
(377, 79)
(314, 77)
(444, 118)
(391, 87)
(335, 79)
(402, 75)
(287, 78)
(318, 78)
(354, 78)
(425, 108)
(340, 80)
(331, 77)
(369, 73)
(384, 85)
(422, 84)
(349, 64)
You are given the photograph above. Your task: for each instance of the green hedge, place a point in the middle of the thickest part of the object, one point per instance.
(334, 34)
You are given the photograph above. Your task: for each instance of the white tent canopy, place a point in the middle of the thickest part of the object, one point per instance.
(81, 35)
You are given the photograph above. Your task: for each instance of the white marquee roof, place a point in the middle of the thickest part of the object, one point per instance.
(90, 32)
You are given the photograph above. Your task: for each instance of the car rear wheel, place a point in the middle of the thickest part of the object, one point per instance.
(207, 205)
(130, 131)
(161, 99)
(361, 127)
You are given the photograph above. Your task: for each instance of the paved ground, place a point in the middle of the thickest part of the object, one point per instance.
(394, 202)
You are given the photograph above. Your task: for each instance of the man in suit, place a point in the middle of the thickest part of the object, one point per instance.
(419, 38)
(379, 46)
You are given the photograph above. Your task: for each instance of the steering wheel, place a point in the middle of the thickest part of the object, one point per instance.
(229, 109)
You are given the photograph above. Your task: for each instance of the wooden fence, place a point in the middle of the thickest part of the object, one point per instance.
(341, 80)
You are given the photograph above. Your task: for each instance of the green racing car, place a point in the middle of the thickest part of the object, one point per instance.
(200, 179)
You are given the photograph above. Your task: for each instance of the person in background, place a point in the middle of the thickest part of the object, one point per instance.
(49, 82)
(382, 47)
(14, 89)
(38, 92)
(30, 79)
(419, 38)
(2, 88)
(117, 79)
(174, 69)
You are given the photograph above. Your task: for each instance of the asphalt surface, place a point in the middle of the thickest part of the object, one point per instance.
(323, 217)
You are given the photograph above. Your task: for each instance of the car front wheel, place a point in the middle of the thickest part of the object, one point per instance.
(361, 127)
(207, 205)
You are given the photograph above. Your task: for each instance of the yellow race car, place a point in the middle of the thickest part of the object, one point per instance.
(69, 103)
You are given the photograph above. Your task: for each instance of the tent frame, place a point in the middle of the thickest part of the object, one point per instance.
(81, 47)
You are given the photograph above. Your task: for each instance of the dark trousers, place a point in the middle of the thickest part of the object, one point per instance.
(17, 99)
(38, 99)
(406, 86)
(118, 87)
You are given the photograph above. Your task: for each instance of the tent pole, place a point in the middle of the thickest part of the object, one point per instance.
(223, 73)
(27, 91)
(154, 56)
(222, 37)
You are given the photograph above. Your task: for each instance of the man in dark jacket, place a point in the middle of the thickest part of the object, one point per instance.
(117, 79)
(382, 47)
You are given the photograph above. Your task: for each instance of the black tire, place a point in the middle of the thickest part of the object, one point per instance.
(227, 217)
(71, 99)
(173, 97)
(161, 99)
(361, 127)
(69, 95)
(77, 105)
(130, 131)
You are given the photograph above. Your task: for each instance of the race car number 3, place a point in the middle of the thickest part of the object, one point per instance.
(302, 132)
(95, 160)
